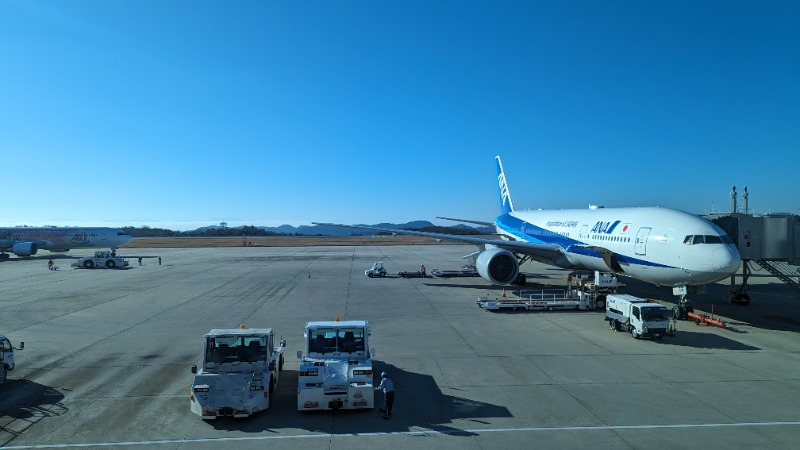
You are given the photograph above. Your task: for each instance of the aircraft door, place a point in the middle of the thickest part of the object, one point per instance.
(641, 241)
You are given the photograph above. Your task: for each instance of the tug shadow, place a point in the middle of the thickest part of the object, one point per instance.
(419, 404)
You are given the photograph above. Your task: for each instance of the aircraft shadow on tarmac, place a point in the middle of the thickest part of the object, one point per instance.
(419, 404)
(24, 403)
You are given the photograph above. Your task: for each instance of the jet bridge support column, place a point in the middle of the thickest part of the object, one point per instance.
(739, 294)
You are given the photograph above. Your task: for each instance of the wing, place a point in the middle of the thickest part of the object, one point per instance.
(8, 242)
(537, 251)
(476, 222)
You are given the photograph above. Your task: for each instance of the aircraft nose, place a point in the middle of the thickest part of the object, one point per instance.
(726, 261)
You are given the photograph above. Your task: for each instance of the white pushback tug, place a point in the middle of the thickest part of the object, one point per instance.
(239, 372)
(7, 362)
(336, 371)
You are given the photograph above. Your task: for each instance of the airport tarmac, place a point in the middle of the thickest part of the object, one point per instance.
(108, 353)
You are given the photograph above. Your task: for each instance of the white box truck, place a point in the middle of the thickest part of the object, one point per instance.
(638, 316)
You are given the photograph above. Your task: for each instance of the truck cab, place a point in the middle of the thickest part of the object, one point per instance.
(240, 371)
(336, 371)
(640, 317)
(7, 356)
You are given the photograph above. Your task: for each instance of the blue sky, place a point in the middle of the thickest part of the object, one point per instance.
(180, 114)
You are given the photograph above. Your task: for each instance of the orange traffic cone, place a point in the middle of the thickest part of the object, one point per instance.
(504, 292)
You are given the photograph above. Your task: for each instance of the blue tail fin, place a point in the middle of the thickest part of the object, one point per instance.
(505, 197)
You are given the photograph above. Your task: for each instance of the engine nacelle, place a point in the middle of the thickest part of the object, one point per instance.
(24, 248)
(498, 266)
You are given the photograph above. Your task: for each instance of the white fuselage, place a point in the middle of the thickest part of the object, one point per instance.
(61, 239)
(648, 243)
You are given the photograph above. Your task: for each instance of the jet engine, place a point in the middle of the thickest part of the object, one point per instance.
(24, 248)
(498, 266)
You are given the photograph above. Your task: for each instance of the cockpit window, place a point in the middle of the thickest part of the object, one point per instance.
(694, 239)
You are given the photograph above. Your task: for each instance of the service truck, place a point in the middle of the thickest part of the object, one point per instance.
(7, 357)
(336, 370)
(101, 259)
(642, 318)
(239, 372)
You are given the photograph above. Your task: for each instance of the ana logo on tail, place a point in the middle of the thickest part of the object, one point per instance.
(505, 197)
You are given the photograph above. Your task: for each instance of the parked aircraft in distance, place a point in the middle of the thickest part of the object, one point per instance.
(662, 246)
(26, 241)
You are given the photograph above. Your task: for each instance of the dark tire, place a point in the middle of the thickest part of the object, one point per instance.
(383, 274)
(612, 326)
(600, 303)
(678, 312)
(110, 264)
(370, 275)
(271, 385)
(635, 333)
(88, 264)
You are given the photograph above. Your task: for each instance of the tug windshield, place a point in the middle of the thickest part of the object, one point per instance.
(333, 340)
(227, 349)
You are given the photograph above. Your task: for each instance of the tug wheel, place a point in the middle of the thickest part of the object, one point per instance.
(110, 264)
(88, 264)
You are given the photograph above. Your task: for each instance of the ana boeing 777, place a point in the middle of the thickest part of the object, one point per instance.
(26, 241)
(662, 246)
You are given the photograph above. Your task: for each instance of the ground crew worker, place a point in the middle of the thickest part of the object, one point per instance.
(159, 260)
(50, 264)
(422, 270)
(140, 260)
(388, 395)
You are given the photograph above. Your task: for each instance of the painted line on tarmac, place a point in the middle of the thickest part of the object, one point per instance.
(405, 433)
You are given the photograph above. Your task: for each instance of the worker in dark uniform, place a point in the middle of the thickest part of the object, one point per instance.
(388, 395)
(422, 270)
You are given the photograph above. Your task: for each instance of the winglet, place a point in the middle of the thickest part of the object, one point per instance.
(506, 206)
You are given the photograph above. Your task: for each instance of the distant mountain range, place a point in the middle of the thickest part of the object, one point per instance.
(319, 230)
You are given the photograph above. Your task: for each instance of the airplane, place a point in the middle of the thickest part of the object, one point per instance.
(661, 246)
(26, 241)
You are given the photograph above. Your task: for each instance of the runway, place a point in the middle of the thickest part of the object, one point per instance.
(108, 353)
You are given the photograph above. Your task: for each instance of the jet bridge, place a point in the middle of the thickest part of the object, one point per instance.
(772, 242)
